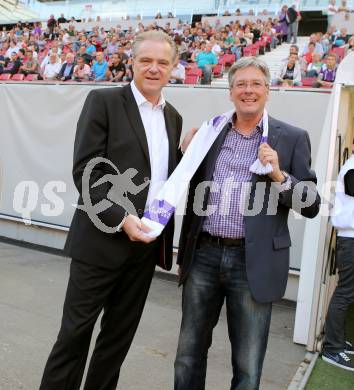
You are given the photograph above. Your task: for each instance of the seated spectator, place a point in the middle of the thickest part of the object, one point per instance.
(129, 70)
(12, 66)
(326, 43)
(342, 38)
(289, 73)
(128, 49)
(307, 57)
(216, 48)
(206, 60)
(112, 45)
(67, 68)
(237, 48)
(278, 30)
(226, 13)
(122, 54)
(82, 71)
(269, 37)
(99, 68)
(318, 46)
(196, 48)
(351, 43)
(294, 49)
(327, 73)
(30, 65)
(248, 35)
(2, 63)
(238, 12)
(116, 69)
(91, 49)
(4, 48)
(82, 53)
(62, 58)
(314, 68)
(344, 7)
(243, 41)
(52, 68)
(13, 48)
(178, 73)
(256, 30)
(158, 16)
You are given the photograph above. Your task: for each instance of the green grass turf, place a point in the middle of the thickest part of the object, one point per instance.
(328, 377)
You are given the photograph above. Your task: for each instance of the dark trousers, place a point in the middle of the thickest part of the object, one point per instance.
(218, 273)
(121, 294)
(342, 297)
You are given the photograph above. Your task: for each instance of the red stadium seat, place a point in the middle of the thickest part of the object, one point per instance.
(229, 59)
(339, 51)
(31, 77)
(247, 51)
(5, 76)
(191, 65)
(194, 72)
(191, 79)
(218, 70)
(221, 60)
(308, 81)
(18, 77)
(254, 50)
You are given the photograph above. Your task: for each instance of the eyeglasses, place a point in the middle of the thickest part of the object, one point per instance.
(254, 85)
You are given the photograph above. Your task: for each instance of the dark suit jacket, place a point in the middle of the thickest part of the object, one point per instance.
(110, 126)
(267, 238)
(62, 70)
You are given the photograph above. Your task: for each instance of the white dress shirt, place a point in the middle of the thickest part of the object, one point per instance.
(156, 134)
(52, 70)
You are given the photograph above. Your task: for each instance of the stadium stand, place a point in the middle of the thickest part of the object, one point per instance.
(11, 11)
(207, 48)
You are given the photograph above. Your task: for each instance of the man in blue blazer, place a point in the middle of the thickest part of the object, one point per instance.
(235, 241)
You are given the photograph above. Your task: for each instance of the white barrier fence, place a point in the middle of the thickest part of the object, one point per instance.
(38, 130)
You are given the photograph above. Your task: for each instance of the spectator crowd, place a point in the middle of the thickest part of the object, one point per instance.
(56, 53)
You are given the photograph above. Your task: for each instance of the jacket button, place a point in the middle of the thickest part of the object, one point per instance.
(140, 211)
(146, 179)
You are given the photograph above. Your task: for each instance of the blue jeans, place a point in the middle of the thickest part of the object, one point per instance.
(218, 273)
(207, 73)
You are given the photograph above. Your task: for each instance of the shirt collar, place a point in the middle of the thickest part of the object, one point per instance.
(140, 98)
(257, 129)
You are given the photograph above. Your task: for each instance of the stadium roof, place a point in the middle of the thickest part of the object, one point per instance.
(11, 12)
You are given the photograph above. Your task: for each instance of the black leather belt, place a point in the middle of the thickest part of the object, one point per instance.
(204, 236)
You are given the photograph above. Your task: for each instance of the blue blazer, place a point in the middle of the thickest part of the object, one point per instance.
(267, 238)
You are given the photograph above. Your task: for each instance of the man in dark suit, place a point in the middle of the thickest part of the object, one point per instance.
(135, 135)
(235, 253)
(67, 69)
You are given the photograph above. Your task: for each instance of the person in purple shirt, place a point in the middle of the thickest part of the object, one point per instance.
(37, 29)
(327, 73)
(234, 243)
(283, 22)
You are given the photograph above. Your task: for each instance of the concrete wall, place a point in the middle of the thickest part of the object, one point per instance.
(301, 108)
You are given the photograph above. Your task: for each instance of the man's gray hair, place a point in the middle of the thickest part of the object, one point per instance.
(153, 35)
(247, 62)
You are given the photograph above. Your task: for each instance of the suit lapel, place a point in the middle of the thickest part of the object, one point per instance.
(273, 133)
(135, 120)
(172, 140)
(214, 153)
